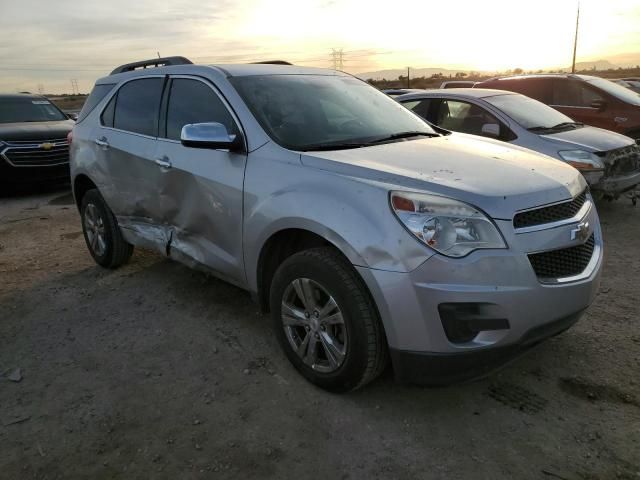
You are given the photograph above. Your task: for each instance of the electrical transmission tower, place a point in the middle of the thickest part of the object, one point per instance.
(74, 86)
(41, 89)
(337, 57)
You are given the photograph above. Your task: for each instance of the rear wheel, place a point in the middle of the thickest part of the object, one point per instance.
(101, 232)
(326, 322)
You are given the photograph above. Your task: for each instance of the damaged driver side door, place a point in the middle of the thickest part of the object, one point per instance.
(202, 189)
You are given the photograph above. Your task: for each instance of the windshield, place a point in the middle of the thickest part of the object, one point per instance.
(27, 109)
(529, 113)
(308, 112)
(616, 90)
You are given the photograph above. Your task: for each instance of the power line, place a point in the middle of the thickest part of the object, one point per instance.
(337, 57)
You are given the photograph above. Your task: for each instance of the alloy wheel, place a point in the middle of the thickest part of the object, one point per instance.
(95, 230)
(314, 325)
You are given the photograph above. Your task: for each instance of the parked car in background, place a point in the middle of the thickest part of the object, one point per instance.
(365, 232)
(394, 92)
(457, 84)
(590, 100)
(33, 141)
(630, 84)
(610, 162)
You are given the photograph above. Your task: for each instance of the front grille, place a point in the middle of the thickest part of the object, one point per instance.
(622, 160)
(565, 262)
(40, 153)
(553, 213)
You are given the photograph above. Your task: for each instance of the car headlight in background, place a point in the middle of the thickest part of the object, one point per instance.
(450, 227)
(582, 160)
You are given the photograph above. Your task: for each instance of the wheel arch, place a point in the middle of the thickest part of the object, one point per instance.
(81, 185)
(287, 241)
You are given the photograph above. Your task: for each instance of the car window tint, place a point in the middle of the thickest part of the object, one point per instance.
(464, 117)
(137, 106)
(191, 101)
(420, 107)
(96, 95)
(574, 93)
(107, 114)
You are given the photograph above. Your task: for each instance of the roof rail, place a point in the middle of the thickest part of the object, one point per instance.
(154, 62)
(272, 62)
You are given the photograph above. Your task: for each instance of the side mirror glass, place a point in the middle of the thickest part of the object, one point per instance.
(491, 130)
(211, 135)
(599, 105)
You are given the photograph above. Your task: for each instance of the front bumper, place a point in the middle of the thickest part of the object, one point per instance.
(10, 175)
(502, 282)
(618, 184)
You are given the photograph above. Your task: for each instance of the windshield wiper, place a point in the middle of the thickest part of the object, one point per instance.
(317, 147)
(346, 145)
(568, 124)
(559, 126)
(398, 136)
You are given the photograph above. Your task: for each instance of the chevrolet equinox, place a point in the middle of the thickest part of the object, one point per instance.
(365, 232)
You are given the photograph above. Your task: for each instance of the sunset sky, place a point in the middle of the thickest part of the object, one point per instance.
(49, 42)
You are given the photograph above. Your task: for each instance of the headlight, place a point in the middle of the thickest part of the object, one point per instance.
(450, 227)
(582, 160)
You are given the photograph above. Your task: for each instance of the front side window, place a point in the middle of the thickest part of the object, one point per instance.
(573, 93)
(191, 101)
(28, 109)
(464, 117)
(137, 106)
(307, 112)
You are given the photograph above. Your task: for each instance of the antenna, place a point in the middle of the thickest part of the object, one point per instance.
(575, 41)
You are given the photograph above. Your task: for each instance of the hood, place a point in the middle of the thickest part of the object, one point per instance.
(496, 177)
(588, 138)
(35, 130)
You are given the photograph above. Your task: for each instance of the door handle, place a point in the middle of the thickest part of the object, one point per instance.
(102, 142)
(163, 162)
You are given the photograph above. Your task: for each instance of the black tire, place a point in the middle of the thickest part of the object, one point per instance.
(116, 251)
(366, 349)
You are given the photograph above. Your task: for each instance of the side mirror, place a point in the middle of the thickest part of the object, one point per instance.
(491, 130)
(211, 135)
(599, 105)
(72, 116)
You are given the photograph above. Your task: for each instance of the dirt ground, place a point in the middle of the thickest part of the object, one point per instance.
(156, 371)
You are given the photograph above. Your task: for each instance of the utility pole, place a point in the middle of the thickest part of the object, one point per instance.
(337, 58)
(408, 79)
(575, 41)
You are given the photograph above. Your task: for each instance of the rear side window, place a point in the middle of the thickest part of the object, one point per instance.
(108, 113)
(94, 98)
(191, 101)
(137, 106)
(537, 88)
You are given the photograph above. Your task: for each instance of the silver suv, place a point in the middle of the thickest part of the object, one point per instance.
(365, 232)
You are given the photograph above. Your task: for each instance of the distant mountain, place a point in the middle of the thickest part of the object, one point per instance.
(394, 73)
(597, 65)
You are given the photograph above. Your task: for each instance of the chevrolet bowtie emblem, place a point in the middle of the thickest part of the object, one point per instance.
(581, 232)
(46, 146)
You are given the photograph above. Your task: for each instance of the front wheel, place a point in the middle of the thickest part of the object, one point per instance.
(102, 233)
(326, 321)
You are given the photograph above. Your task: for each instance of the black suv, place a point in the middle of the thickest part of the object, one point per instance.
(33, 140)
